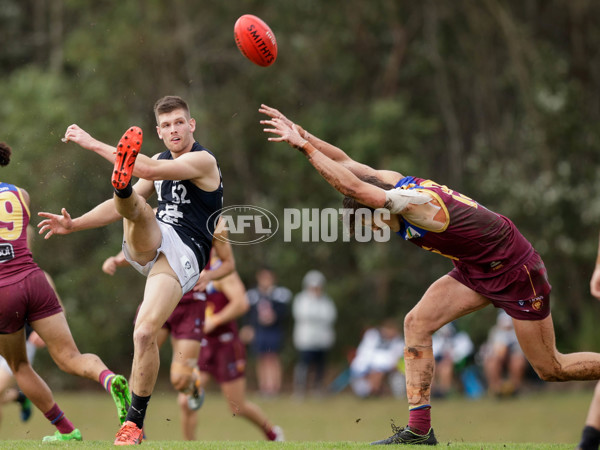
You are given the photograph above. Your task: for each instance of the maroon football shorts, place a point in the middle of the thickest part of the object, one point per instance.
(185, 322)
(524, 292)
(29, 300)
(223, 357)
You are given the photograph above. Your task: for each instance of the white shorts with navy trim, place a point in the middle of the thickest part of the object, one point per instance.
(181, 258)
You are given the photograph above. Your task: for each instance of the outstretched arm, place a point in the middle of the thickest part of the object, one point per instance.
(110, 265)
(226, 266)
(103, 214)
(198, 165)
(331, 151)
(233, 288)
(335, 173)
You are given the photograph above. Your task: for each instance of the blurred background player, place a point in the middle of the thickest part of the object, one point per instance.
(223, 354)
(590, 436)
(314, 314)
(9, 392)
(265, 331)
(378, 358)
(503, 354)
(27, 296)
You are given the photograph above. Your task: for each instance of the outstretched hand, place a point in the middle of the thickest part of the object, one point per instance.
(203, 281)
(274, 114)
(109, 266)
(287, 130)
(75, 133)
(55, 224)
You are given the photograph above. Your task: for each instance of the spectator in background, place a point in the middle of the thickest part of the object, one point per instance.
(314, 334)
(265, 329)
(378, 357)
(451, 350)
(502, 353)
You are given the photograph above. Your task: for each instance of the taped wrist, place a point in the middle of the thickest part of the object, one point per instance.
(307, 148)
(397, 199)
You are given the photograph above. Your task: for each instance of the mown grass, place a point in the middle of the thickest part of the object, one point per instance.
(538, 420)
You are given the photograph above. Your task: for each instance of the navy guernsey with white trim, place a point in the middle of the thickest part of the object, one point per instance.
(187, 208)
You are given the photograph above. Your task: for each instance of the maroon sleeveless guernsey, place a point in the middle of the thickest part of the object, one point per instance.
(481, 243)
(16, 260)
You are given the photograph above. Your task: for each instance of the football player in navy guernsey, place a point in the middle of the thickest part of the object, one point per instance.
(170, 247)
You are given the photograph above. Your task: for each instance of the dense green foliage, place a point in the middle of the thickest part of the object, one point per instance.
(497, 99)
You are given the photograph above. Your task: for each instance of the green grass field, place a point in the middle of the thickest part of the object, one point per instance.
(538, 420)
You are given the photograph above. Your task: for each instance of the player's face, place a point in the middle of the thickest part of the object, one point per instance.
(392, 223)
(176, 129)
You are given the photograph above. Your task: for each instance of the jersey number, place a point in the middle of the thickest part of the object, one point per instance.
(178, 197)
(455, 195)
(11, 216)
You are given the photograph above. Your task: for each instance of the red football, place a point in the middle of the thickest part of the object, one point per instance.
(255, 40)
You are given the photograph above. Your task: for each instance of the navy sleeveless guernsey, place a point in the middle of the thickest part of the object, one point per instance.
(187, 208)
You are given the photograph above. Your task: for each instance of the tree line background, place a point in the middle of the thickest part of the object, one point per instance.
(498, 99)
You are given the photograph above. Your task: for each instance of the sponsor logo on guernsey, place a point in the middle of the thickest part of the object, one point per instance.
(411, 233)
(6, 252)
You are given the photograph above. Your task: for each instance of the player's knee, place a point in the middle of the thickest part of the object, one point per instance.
(415, 325)
(237, 409)
(67, 361)
(144, 335)
(182, 401)
(180, 381)
(551, 372)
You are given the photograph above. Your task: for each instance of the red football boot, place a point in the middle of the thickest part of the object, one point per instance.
(127, 150)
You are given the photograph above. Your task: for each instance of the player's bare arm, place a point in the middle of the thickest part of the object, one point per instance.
(337, 175)
(198, 167)
(233, 288)
(224, 253)
(110, 265)
(103, 214)
(333, 152)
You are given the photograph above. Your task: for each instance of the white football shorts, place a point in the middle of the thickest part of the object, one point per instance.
(181, 258)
